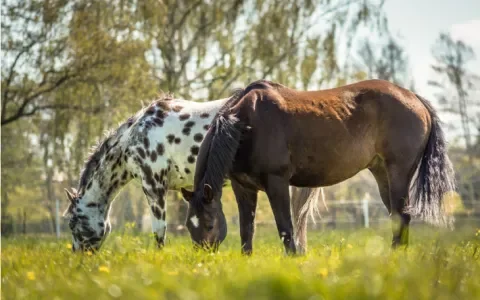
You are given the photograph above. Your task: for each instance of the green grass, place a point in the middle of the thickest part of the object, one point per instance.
(339, 265)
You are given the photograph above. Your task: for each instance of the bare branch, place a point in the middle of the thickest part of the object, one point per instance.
(26, 101)
(6, 90)
(36, 109)
(187, 52)
(186, 14)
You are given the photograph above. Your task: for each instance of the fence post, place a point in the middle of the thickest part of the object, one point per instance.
(57, 218)
(365, 211)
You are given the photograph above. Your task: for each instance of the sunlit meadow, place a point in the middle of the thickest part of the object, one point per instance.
(339, 265)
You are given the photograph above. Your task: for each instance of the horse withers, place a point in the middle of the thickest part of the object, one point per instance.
(269, 136)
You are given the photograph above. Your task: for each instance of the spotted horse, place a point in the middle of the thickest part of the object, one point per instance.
(157, 146)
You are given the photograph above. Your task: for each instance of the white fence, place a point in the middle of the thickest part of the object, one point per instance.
(337, 214)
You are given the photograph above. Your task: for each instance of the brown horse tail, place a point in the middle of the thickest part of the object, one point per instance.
(434, 178)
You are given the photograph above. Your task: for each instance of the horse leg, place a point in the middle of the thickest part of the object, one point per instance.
(296, 206)
(399, 184)
(247, 205)
(156, 201)
(380, 174)
(277, 189)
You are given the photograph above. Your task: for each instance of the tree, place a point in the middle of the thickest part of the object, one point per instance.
(451, 60)
(389, 62)
(202, 50)
(72, 69)
(19, 171)
(66, 66)
(455, 84)
(53, 46)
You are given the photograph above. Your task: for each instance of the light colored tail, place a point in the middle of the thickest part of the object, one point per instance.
(304, 204)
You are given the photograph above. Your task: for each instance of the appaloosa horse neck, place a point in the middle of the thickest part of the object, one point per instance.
(270, 136)
(157, 146)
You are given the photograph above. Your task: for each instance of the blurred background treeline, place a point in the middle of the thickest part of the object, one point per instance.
(71, 70)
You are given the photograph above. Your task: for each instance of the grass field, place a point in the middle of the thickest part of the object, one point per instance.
(339, 265)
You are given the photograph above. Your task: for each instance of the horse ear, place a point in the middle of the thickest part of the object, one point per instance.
(79, 192)
(70, 196)
(208, 193)
(187, 195)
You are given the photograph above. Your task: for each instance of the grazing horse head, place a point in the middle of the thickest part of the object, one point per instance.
(205, 219)
(87, 221)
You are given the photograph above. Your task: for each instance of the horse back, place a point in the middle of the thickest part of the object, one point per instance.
(329, 135)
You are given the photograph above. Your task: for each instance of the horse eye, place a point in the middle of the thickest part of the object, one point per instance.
(210, 227)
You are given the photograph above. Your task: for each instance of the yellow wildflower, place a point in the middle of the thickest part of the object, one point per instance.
(104, 269)
(69, 246)
(349, 246)
(30, 275)
(89, 253)
(478, 232)
(323, 272)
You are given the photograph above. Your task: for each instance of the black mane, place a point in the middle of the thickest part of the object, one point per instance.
(219, 148)
(223, 149)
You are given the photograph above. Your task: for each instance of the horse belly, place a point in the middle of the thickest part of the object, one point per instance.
(326, 161)
(308, 177)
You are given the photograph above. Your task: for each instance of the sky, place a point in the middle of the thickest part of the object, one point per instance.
(419, 23)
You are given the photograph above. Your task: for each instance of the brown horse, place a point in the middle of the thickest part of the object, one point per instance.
(268, 136)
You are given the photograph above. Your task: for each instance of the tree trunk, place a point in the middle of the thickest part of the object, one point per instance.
(140, 211)
(6, 219)
(24, 222)
(51, 198)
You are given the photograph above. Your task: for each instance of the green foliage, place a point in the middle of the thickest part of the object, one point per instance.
(71, 70)
(339, 265)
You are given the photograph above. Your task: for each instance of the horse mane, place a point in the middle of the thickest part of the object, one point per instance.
(102, 147)
(99, 150)
(203, 152)
(225, 139)
(164, 97)
(222, 119)
(218, 150)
